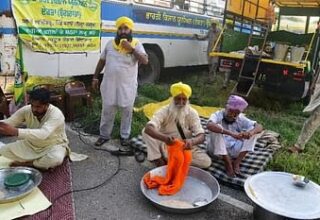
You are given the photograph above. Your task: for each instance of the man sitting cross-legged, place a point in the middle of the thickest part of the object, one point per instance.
(162, 129)
(232, 135)
(43, 143)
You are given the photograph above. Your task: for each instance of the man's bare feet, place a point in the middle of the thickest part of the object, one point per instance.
(228, 166)
(236, 167)
(159, 162)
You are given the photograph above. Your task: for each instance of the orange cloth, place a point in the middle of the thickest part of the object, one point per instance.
(179, 161)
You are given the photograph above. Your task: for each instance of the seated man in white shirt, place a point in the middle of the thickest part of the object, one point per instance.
(232, 135)
(162, 129)
(43, 143)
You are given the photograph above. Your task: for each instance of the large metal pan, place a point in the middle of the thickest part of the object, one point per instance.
(10, 194)
(277, 197)
(199, 190)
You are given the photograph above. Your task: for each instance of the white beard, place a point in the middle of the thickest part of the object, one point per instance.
(177, 114)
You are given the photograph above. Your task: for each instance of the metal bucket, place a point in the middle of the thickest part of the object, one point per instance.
(277, 196)
(200, 189)
(280, 51)
(297, 54)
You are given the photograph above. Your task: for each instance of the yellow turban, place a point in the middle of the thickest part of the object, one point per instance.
(126, 21)
(178, 88)
(213, 21)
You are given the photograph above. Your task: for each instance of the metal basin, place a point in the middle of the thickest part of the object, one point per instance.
(277, 197)
(199, 190)
(10, 194)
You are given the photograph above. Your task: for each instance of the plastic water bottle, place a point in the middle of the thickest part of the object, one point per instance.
(288, 59)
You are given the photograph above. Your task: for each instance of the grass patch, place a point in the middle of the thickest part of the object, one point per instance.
(282, 116)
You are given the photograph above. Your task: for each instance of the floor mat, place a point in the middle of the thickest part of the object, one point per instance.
(253, 163)
(54, 184)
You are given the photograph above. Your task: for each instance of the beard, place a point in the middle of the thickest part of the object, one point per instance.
(119, 37)
(228, 120)
(177, 113)
(38, 114)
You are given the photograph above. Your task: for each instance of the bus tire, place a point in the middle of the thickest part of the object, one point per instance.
(150, 73)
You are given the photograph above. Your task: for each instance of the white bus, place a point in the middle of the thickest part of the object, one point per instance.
(165, 27)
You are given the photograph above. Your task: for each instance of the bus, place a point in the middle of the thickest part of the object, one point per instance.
(165, 28)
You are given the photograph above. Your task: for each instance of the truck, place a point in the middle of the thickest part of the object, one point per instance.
(247, 28)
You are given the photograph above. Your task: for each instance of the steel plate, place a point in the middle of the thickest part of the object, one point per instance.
(199, 190)
(276, 193)
(10, 194)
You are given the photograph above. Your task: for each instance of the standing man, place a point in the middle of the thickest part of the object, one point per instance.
(176, 120)
(120, 60)
(270, 13)
(313, 122)
(43, 143)
(212, 36)
(232, 135)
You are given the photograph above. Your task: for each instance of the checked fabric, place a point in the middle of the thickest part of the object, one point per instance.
(253, 163)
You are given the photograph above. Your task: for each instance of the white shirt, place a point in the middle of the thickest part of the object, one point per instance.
(191, 124)
(241, 124)
(39, 136)
(120, 79)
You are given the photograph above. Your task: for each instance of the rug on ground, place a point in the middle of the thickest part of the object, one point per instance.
(55, 183)
(253, 163)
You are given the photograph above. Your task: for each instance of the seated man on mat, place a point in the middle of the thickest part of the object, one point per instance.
(161, 130)
(43, 143)
(232, 134)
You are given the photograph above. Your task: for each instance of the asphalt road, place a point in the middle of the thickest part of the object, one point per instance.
(121, 198)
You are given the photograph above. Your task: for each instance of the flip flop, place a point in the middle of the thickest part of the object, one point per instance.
(101, 141)
(295, 150)
(122, 152)
(139, 156)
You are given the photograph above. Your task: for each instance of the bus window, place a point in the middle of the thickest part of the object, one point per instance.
(196, 6)
(295, 24)
(161, 3)
(215, 7)
(313, 24)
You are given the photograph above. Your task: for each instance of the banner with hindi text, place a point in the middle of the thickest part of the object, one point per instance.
(59, 26)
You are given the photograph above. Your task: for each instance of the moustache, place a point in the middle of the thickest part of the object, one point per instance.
(228, 120)
(123, 36)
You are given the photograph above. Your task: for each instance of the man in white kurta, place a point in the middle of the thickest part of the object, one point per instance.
(162, 129)
(120, 60)
(232, 134)
(43, 143)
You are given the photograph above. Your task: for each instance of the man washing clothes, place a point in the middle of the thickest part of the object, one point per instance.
(232, 135)
(165, 124)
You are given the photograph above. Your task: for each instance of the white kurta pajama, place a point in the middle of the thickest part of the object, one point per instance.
(118, 89)
(192, 125)
(221, 144)
(313, 122)
(43, 142)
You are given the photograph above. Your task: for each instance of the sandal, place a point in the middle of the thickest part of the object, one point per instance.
(125, 151)
(295, 150)
(139, 156)
(101, 141)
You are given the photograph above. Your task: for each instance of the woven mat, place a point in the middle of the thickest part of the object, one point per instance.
(253, 163)
(55, 183)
